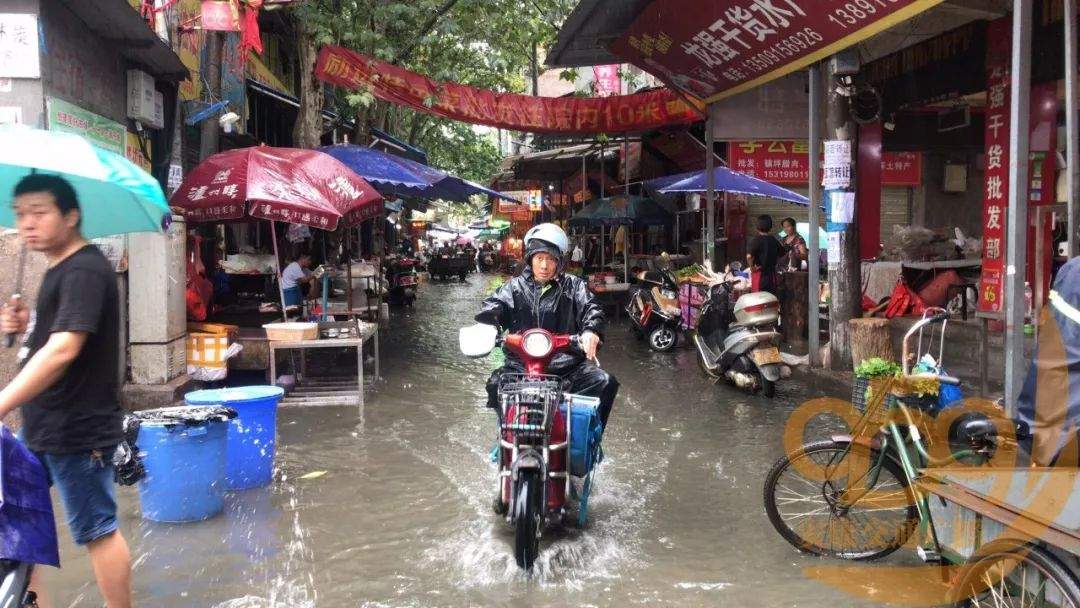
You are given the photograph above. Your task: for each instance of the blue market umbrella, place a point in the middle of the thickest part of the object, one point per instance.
(727, 180)
(400, 175)
(115, 196)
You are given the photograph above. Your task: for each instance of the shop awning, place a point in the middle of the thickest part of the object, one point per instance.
(119, 24)
(727, 180)
(552, 165)
(622, 210)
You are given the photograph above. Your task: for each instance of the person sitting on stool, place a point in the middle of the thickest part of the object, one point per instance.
(297, 280)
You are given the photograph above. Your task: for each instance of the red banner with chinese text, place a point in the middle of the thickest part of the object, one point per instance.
(615, 114)
(716, 49)
(788, 162)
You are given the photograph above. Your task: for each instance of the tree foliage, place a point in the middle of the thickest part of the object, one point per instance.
(482, 43)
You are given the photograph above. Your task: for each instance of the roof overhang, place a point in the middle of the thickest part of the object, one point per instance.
(117, 23)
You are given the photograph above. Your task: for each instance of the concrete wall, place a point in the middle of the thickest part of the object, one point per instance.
(80, 67)
(935, 208)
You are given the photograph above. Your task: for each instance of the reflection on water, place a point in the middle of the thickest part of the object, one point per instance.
(402, 516)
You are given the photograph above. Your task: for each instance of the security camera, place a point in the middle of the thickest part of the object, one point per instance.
(227, 121)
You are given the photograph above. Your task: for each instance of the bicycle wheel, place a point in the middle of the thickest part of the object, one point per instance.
(805, 500)
(1014, 575)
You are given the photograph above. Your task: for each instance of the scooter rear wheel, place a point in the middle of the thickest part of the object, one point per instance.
(662, 338)
(528, 517)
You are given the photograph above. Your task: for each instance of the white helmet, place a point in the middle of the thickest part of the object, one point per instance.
(550, 233)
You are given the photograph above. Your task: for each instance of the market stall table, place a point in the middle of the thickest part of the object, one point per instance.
(328, 391)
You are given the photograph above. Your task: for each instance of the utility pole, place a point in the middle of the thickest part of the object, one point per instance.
(845, 284)
(208, 142)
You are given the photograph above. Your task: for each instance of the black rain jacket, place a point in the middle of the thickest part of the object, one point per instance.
(567, 307)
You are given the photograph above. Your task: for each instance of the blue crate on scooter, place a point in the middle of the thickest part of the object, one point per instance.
(586, 433)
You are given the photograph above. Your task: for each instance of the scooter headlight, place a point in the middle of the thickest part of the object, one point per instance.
(537, 344)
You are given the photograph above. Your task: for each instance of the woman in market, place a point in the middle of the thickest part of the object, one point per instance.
(795, 249)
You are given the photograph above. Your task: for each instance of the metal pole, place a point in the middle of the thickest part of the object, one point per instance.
(1016, 243)
(710, 187)
(277, 265)
(813, 262)
(1072, 133)
(626, 231)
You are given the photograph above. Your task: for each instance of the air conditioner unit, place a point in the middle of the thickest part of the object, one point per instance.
(144, 103)
(953, 118)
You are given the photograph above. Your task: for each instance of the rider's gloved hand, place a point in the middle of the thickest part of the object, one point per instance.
(590, 342)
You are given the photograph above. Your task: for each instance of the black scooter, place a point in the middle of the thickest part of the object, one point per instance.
(654, 309)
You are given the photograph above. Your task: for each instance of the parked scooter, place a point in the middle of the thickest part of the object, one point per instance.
(654, 309)
(739, 343)
(539, 450)
(30, 537)
(403, 282)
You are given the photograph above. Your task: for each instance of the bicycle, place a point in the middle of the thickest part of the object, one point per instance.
(854, 496)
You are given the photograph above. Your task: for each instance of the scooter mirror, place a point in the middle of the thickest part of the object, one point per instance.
(477, 340)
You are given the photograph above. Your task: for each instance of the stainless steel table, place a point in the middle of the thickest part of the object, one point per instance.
(328, 391)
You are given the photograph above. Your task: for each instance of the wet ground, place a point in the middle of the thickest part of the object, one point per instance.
(402, 516)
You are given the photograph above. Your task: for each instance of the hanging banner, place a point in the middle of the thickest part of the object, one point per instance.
(787, 162)
(717, 49)
(616, 114)
(607, 80)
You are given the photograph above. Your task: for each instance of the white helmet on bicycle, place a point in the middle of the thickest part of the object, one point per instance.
(549, 236)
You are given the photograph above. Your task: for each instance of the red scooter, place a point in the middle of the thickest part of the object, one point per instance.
(535, 441)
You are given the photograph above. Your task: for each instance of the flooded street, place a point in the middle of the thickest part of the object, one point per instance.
(402, 515)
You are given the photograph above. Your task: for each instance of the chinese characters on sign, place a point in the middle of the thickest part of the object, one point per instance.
(19, 46)
(714, 49)
(788, 162)
(614, 114)
(98, 130)
(996, 175)
(836, 170)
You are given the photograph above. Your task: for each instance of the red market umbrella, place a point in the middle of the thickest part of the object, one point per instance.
(277, 184)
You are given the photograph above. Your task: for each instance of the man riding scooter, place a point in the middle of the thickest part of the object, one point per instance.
(543, 296)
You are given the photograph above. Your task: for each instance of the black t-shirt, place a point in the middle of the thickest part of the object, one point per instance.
(765, 250)
(81, 411)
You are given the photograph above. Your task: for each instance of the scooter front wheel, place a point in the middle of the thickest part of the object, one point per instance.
(662, 338)
(528, 517)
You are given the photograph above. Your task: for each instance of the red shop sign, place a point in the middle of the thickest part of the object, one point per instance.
(220, 16)
(716, 49)
(788, 162)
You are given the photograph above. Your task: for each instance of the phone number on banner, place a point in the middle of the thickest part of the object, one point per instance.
(851, 14)
(792, 46)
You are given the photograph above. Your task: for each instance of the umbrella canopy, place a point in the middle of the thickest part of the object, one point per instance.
(614, 210)
(278, 184)
(115, 196)
(376, 167)
(402, 175)
(727, 180)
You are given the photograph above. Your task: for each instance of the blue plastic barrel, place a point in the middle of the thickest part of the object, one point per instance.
(252, 434)
(185, 464)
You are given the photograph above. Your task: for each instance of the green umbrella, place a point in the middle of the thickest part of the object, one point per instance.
(115, 196)
(615, 210)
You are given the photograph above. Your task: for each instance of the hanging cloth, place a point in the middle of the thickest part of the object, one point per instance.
(250, 39)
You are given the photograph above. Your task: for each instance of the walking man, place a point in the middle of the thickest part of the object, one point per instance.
(68, 386)
(764, 252)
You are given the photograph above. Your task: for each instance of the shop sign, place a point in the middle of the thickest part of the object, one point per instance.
(788, 162)
(615, 114)
(526, 199)
(717, 49)
(777, 110)
(836, 168)
(133, 150)
(98, 130)
(19, 56)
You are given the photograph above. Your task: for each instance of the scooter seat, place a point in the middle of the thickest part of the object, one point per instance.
(669, 306)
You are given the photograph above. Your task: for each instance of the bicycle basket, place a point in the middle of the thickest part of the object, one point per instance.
(528, 404)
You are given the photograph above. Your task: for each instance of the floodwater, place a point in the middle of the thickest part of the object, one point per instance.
(402, 515)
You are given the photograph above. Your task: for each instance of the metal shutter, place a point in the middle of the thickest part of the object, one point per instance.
(895, 210)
